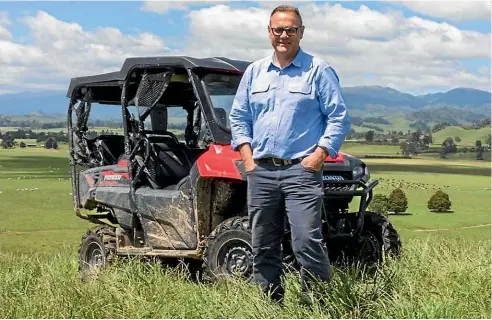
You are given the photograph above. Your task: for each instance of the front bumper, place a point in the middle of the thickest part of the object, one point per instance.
(349, 189)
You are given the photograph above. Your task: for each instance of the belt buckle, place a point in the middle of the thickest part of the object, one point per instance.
(281, 163)
(274, 161)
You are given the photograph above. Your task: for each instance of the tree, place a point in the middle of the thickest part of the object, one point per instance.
(448, 146)
(408, 147)
(397, 201)
(394, 140)
(439, 126)
(8, 141)
(379, 204)
(439, 202)
(51, 143)
(427, 139)
(369, 136)
(478, 145)
(415, 137)
(22, 144)
(457, 139)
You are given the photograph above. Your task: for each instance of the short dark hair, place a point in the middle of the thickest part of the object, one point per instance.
(287, 8)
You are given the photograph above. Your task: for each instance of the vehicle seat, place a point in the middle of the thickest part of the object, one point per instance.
(110, 147)
(173, 163)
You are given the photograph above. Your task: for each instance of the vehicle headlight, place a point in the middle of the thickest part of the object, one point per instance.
(357, 172)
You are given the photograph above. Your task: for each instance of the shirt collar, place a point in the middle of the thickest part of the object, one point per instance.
(299, 58)
(296, 62)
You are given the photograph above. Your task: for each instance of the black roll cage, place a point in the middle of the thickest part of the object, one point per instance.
(217, 132)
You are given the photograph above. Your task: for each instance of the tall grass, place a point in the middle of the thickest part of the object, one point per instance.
(446, 279)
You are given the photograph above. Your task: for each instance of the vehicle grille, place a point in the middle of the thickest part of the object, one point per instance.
(330, 181)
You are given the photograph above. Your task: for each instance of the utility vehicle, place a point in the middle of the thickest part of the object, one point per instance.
(155, 193)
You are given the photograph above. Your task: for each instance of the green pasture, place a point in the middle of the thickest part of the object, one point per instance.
(466, 180)
(35, 203)
(444, 271)
(360, 150)
(468, 137)
(398, 122)
(36, 208)
(468, 188)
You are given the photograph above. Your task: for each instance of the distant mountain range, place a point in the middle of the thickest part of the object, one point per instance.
(465, 104)
(384, 100)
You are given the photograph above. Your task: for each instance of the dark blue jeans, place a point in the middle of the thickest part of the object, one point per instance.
(276, 193)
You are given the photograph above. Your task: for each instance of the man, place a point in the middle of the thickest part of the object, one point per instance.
(287, 117)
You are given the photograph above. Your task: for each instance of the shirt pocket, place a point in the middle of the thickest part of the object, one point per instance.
(299, 96)
(261, 95)
(260, 86)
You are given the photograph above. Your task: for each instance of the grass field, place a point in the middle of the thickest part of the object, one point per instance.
(398, 122)
(362, 150)
(468, 137)
(444, 271)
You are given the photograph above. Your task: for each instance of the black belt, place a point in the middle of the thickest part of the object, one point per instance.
(280, 162)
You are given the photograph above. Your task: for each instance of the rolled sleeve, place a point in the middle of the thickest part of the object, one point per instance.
(334, 108)
(240, 117)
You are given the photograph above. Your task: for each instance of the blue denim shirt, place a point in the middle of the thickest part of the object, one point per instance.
(286, 113)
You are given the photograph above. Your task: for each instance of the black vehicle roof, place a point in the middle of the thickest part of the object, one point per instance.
(114, 78)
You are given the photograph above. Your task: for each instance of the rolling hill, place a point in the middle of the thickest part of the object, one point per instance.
(451, 115)
(468, 137)
(457, 106)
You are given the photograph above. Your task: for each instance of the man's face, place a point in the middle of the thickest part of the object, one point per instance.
(285, 43)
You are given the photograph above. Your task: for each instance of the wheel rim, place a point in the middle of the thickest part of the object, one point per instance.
(94, 256)
(369, 250)
(235, 258)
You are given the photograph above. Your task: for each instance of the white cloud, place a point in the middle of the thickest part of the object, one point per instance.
(62, 50)
(410, 54)
(452, 10)
(164, 6)
(4, 20)
(484, 71)
(4, 33)
(406, 53)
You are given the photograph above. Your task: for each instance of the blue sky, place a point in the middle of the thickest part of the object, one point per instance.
(433, 47)
(94, 14)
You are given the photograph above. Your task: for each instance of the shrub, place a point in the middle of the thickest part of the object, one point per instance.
(22, 144)
(439, 202)
(397, 201)
(379, 204)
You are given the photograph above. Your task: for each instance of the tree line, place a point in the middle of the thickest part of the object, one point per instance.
(36, 124)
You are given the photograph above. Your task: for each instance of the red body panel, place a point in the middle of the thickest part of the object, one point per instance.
(219, 161)
(111, 178)
(340, 158)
